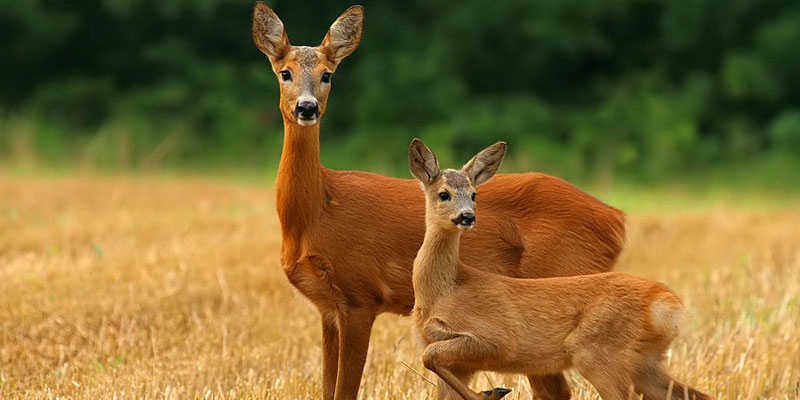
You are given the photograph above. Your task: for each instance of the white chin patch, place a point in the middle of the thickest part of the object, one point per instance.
(465, 227)
(307, 122)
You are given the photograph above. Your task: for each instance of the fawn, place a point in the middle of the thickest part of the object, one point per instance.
(350, 252)
(612, 327)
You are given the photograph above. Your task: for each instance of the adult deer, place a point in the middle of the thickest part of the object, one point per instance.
(613, 328)
(349, 237)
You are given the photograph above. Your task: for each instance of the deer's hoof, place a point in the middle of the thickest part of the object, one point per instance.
(495, 394)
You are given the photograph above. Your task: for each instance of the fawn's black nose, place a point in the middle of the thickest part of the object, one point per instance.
(465, 218)
(306, 110)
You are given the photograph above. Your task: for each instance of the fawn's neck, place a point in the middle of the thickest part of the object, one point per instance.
(436, 265)
(299, 188)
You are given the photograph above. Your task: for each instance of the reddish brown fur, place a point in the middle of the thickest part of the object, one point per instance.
(612, 327)
(349, 237)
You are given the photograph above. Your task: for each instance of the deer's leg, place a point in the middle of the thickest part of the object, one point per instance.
(550, 387)
(330, 355)
(446, 392)
(448, 356)
(355, 326)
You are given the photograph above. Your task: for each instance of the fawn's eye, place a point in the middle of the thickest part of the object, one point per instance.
(286, 75)
(473, 196)
(444, 196)
(326, 77)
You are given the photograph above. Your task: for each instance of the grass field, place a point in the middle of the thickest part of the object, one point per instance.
(160, 287)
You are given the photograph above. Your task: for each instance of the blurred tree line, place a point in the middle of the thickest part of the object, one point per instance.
(577, 87)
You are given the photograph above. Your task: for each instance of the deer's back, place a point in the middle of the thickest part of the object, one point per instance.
(361, 250)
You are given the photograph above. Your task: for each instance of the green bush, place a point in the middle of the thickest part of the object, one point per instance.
(580, 88)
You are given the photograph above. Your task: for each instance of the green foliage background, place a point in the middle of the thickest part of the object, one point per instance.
(581, 88)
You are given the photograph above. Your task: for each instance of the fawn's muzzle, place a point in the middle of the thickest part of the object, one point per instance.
(465, 219)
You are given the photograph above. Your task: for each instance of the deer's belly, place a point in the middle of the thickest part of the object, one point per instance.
(333, 288)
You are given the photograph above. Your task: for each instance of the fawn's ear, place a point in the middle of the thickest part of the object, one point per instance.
(422, 162)
(484, 165)
(268, 33)
(344, 35)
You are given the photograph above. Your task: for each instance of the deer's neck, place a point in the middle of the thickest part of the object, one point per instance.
(436, 265)
(299, 187)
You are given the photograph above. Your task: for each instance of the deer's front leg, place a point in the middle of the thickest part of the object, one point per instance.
(355, 326)
(330, 355)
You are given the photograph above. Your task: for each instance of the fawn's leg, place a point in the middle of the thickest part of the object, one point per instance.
(611, 383)
(446, 356)
(354, 329)
(550, 387)
(330, 355)
(653, 381)
(681, 391)
(446, 392)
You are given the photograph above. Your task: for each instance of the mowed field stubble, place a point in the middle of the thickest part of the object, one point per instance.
(169, 287)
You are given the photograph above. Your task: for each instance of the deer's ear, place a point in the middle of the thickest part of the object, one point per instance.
(485, 164)
(344, 35)
(422, 162)
(268, 32)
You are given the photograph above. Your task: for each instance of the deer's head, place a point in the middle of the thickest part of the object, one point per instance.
(450, 194)
(304, 73)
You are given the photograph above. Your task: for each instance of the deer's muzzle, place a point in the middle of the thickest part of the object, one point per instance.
(306, 111)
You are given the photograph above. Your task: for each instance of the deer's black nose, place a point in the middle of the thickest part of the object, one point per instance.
(307, 110)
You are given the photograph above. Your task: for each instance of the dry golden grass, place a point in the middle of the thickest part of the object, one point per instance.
(170, 288)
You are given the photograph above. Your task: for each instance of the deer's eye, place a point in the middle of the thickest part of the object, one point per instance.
(473, 196)
(286, 76)
(444, 196)
(326, 77)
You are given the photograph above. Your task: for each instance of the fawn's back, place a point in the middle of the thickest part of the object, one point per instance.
(541, 325)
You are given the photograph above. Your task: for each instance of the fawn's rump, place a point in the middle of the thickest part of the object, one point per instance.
(666, 313)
